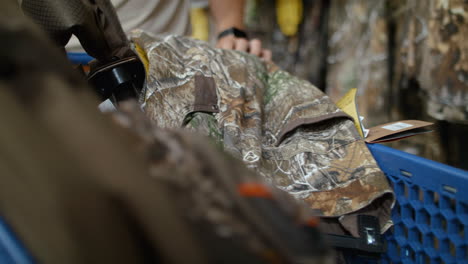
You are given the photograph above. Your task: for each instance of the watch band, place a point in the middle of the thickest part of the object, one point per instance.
(233, 31)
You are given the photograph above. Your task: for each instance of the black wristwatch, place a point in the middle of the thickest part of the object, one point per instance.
(233, 31)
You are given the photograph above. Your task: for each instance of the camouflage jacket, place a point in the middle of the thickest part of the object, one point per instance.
(282, 127)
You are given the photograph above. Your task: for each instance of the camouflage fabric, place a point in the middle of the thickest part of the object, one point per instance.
(282, 127)
(433, 50)
(447, 30)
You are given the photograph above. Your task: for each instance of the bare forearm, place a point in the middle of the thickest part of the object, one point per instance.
(228, 13)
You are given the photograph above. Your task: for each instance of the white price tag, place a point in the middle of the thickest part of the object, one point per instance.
(397, 126)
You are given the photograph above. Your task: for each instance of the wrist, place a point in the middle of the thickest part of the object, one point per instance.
(232, 31)
(229, 21)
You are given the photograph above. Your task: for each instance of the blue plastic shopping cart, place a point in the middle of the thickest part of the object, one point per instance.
(431, 213)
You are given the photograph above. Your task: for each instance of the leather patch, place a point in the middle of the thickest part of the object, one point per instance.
(206, 98)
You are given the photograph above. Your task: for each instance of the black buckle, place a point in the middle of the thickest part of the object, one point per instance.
(369, 240)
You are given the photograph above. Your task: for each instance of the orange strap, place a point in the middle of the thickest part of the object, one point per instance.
(254, 190)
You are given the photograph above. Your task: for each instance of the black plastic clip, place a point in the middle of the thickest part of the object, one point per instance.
(369, 240)
(119, 80)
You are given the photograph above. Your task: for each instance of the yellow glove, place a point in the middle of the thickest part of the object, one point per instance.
(200, 24)
(289, 15)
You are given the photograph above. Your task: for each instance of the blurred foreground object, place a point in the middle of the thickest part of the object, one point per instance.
(81, 187)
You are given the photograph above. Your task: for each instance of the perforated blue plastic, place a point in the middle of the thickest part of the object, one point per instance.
(431, 213)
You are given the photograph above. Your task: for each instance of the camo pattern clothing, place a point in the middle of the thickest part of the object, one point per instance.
(282, 127)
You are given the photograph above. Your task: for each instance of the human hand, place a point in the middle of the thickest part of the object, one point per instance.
(253, 46)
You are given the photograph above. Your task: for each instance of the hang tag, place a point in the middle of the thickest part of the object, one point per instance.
(381, 133)
(397, 130)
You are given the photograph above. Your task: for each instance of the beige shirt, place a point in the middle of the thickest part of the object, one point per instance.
(154, 16)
